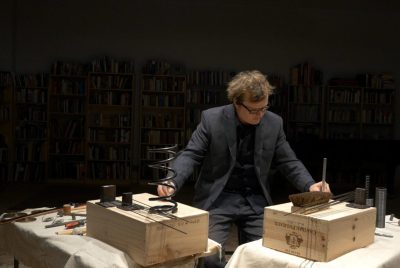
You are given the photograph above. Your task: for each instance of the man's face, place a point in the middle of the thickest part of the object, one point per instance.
(250, 113)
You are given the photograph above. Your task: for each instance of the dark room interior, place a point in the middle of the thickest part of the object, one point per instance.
(88, 87)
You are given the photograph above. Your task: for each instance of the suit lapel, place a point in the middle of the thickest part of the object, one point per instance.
(229, 127)
(261, 132)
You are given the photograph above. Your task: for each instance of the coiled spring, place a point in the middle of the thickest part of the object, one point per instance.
(169, 174)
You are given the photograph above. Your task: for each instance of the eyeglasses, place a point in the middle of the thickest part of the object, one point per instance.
(255, 111)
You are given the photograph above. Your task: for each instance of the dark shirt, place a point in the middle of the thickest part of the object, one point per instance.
(243, 178)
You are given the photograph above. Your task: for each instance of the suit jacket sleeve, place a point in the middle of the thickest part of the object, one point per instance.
(193, 154)
(292, 168)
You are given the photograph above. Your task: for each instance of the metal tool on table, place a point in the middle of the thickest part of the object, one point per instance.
(24, 217)
(324, 163)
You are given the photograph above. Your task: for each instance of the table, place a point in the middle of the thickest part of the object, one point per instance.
(384, 252)
(36, 246)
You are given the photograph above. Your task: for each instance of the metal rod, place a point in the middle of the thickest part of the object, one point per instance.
(166, 225)
(324, 163)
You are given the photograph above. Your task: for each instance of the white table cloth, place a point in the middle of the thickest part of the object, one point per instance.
(36, 246)
(384, 252)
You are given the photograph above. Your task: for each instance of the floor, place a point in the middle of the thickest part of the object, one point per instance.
(15, 197)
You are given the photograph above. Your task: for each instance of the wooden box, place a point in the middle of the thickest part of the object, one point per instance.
(320, 236)
(149, 238)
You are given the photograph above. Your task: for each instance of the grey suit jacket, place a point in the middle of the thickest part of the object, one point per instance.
(213, 146)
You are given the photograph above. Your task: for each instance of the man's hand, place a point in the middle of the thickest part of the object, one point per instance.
(164, 190)
(318, 187)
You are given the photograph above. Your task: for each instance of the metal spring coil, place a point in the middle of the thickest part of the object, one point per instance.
(170, 174)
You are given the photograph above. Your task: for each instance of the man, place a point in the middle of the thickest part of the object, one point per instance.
(235, 146)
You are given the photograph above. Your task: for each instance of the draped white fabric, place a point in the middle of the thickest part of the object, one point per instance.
(384, 252)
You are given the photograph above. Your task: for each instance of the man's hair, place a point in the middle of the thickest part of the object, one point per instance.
(251, 85)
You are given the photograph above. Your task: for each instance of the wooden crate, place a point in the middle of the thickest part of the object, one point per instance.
(320, 236)
(149, 238)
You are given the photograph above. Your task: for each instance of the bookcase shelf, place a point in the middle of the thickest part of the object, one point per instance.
(205, 89)
(110, 123)
(305, 114)
(6, 135)
(162, 115)
(67, 121)
(95, 123)
(30, 119)
(355, 112)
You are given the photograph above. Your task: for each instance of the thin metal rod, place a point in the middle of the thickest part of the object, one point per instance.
(162, 213)
(324, 163)
(150, 218)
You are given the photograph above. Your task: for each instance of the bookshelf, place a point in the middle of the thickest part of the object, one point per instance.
(205, 89)
(6, 136)
(110, 113)
(361, 110)
(67, 119)
(305, 113)
(30, 127)
(360, 121)
(162, 115)
(278, 101)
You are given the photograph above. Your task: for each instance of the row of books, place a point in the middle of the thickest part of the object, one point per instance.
(111, 65)
(67, 169)
(68, 147)
(110, 171)
(379, 97)
(30, 151)
(111, 82)
(3, 154)
(163, 100)
(209, 78)
(111, 98)
(303, 94)
(67, 128)
(109, 153)
(305, 74)
(31, 95)
(32, 172)
(109, 120)
(71, 106)
(205, 97)
(345, 96)
(68, 86)
(164, 83)
(29, 113)
(162, 67)
(116, 135)
(162, 120)
(309, 113)
(31, 132)
(4, 112)
(39, 80)
(373, 116)
(162, 137)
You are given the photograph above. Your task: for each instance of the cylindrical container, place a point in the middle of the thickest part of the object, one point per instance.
(67, 209)
(108, 193)
(380, 204)
(359, 196)
(127, 199)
